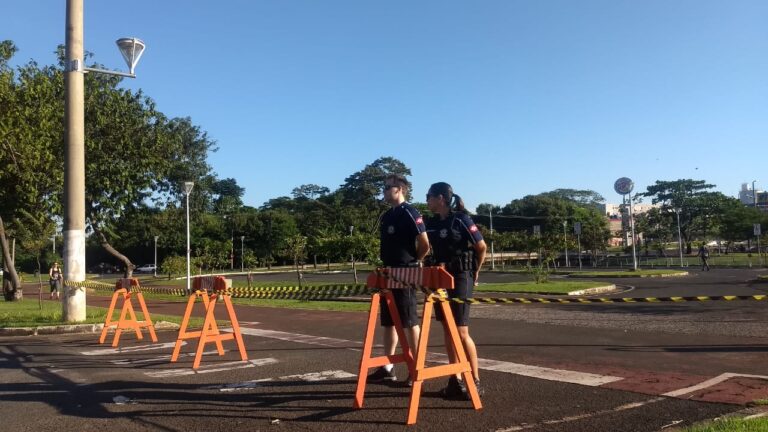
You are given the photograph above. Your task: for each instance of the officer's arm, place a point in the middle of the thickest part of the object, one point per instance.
(422, 246)
(480, 249)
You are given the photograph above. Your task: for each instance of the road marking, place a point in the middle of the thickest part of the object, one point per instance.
(219, 367)
(581, 416)
(307, 377)
(300, 338)
(561, 375)
(111, 351)
(710, 382)
(5, 350)
(160, 359)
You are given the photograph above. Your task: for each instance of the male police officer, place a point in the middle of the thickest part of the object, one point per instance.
(404, 243)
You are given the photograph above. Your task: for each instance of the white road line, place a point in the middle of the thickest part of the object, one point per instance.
(308, 377)
(5, 351)
(710, 382)
(560, 375)
(581, 416)
(219, 367)
(160, 359)
(300, 338)
(112, 351)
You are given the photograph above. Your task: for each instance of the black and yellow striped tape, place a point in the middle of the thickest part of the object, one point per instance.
(333, 292)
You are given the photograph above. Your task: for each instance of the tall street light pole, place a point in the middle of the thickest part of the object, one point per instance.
(156, 237)
(679, 236)
(565, 242)
(754, 193)
(73, 302)
(187, 190)
(493, 258)
(242, 254)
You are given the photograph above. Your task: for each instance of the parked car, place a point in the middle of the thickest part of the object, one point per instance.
(146, 268)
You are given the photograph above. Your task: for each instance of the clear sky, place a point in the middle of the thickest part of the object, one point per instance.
(499, 98)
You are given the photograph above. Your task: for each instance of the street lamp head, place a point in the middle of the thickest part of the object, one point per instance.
(131, 49)
(188, 187)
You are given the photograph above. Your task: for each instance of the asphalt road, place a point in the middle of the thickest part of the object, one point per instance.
(590, 367)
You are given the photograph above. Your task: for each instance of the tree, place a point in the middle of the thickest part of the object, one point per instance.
(309, 191)
(31, 122)
(696, 205)
(364, 187)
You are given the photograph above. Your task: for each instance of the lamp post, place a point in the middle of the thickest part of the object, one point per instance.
(74, 152)
(187, 190)
(565, 242)
(754, 193)
(156, 237)
(242, 254)
(679, 236)
(493, 258)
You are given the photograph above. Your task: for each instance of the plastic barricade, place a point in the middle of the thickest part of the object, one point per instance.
(434, 280)
(217, 286)
(126, 289)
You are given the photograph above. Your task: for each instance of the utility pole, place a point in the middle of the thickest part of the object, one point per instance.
(493, 258)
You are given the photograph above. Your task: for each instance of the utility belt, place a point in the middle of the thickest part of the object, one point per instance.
(462, 263)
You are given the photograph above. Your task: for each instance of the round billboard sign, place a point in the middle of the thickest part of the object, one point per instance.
(623, 186)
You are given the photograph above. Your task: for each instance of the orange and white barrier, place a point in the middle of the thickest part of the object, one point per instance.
(429, 279)
(210, 331)
(126, 289)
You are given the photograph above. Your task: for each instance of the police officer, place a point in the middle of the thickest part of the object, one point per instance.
(403, 244)
(458, 245)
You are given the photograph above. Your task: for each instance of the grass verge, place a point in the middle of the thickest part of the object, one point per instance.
(629, 273)
(551, 287)
(731, 425)
(28, 314)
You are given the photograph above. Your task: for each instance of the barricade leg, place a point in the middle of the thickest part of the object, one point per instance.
(370, 333)
(210, 323)
(122, 322)
(184, 324)
(147, 319)
(421, 358)
(235, 328)
(108, 322)
(461, 356)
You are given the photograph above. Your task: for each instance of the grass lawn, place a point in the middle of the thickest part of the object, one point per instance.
(27, 313)
(551, 287)
(731, 425)
(630, 273)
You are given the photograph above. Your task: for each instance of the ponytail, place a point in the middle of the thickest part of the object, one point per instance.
(458, 204)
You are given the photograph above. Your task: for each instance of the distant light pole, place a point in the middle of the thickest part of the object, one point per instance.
(754, 193)
(156, 237)
(493, 259)
(73, 303)
(242, 254)
(679, 236)
(565, 242)
(187, 190)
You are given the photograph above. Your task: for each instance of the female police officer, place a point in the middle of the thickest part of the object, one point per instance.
(458, 245)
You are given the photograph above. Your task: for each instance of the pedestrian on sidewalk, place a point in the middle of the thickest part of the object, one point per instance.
(704, 255)
(54, 279)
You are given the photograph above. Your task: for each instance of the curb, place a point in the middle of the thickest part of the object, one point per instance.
(593, 291)
(70, 329)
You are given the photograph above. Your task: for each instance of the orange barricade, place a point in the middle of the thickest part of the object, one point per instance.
(210, 331)
(432, 278)
(125, 289)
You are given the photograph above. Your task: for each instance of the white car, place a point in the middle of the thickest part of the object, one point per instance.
(146, 268)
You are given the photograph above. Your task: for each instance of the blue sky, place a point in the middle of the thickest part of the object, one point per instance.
(499, 98)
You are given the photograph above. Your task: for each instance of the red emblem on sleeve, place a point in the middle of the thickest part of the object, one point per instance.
(473, 229)
(419, 221)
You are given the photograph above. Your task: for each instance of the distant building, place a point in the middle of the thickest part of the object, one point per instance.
(747, 197)
(618, 225)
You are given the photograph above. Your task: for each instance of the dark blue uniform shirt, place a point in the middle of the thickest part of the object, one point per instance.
(399, 228)
(452, 236)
